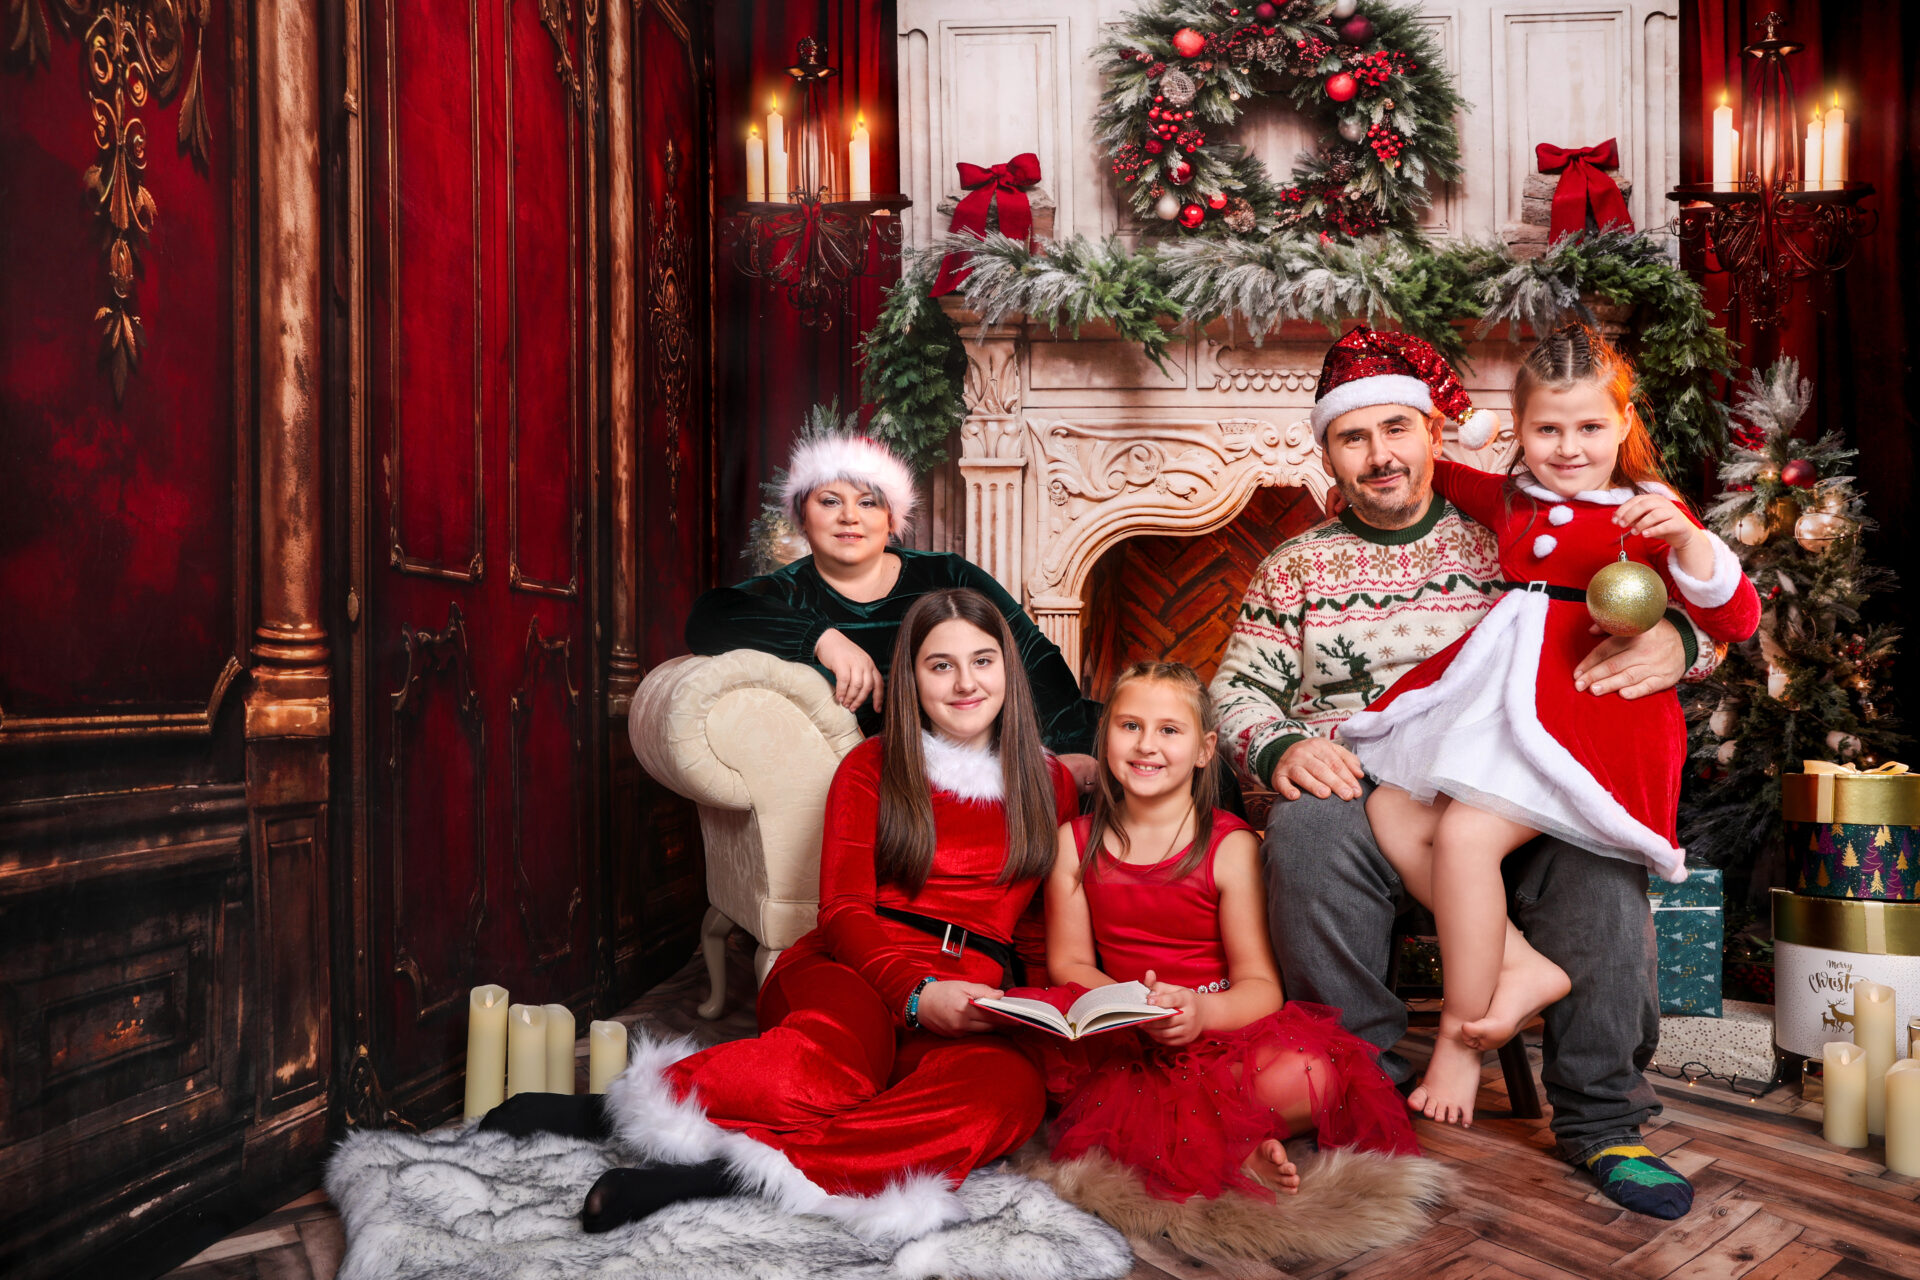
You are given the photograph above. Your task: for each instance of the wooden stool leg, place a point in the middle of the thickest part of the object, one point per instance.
(713, 946)
(1521, 1089)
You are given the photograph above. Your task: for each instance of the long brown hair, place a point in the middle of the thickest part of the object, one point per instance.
(904, 840)
(1107, 796)
(1574, 354)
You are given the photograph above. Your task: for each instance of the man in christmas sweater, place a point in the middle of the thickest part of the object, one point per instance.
(1331, 619)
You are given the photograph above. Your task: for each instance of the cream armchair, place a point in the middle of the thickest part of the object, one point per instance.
(753, 741)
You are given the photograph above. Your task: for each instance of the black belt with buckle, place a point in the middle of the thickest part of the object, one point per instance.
(955, 940)
(1548, 589)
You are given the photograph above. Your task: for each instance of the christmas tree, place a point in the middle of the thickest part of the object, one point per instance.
(1810, 684)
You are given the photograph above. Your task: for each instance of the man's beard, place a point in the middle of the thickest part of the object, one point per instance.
(1365, 503)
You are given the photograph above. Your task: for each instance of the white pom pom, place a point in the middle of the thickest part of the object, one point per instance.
(1478, 428)
(1543, 546)
(1559, 513)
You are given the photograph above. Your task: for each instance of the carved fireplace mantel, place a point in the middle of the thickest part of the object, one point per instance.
(1073, 444)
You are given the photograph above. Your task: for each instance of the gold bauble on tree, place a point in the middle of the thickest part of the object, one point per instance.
(1816, 530)
(1751, 529)
(1626, 598)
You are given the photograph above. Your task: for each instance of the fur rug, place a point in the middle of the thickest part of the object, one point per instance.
(1349, 1202)
(464, 1205)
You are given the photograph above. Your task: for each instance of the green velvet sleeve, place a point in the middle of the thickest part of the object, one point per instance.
(1067, 720)
(760, 613)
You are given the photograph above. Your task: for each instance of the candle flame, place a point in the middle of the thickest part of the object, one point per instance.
(1723, 97)
(753, 130)
(1836, 99)
(773, 102)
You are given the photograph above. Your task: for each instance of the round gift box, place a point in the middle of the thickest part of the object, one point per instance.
(1822, 947)
(1852, 835)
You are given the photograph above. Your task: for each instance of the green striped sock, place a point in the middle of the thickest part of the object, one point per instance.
(1637, 1179)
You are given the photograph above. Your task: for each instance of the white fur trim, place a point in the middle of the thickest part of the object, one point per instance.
(1539, 782)
(1600, 497)
(966, 772)
(858, 461)
(650, 1122)
(1560, 513)
(1716, 589)
(1364, 393)
(1478, 428)
(1543, 546)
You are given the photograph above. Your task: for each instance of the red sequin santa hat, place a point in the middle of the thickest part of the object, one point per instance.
(1369, 367)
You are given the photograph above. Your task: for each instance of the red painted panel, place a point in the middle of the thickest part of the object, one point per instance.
(117, 578)
(544, 282)
(549, 801)
(433, 348)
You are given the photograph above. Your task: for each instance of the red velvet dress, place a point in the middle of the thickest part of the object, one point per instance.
(835, 1080)
(1184, 1117)
(1494, 721)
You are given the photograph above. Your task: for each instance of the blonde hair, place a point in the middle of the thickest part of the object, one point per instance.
(1573, 355)
(1107, 796)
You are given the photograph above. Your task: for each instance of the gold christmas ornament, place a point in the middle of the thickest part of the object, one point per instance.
(1844, 745)
(1626, 598)
(1783, 513)
(1816, 530)
(1751, 529)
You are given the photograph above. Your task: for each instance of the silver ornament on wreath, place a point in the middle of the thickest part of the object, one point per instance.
(1344, 8)
(1177, 87)
(1353, 128)
(1167, 207)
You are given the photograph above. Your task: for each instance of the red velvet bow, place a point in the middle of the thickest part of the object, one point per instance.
(1583, 187)
(1006, 183)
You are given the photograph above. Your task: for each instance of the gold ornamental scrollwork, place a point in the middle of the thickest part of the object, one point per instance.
(669, 320)
(133, 53)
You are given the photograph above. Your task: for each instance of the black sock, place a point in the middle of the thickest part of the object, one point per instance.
(570, 1115)
(628, 1195)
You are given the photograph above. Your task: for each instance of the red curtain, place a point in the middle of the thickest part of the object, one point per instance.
(1851, 335)
(772, 368)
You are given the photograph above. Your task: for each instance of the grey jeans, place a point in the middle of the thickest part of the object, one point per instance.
(1331, 903)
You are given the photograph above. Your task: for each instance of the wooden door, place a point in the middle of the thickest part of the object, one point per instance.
(474, 637)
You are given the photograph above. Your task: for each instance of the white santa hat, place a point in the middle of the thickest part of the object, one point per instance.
(1369, 367)
(856, 460)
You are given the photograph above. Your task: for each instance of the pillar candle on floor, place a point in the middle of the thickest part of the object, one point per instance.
(526, 1049)
(486, 1049)
(1844, 1093)
(1873, 1031)
(559, 1049)
(606, 1054)
(1903, 1118)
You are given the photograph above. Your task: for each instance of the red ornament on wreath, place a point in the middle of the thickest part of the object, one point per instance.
(1341, 87)
(1188, 43)
(1356, 30)
(1799, 473)
(1217, 201)
(1192, 216)
(1180, 173)
(1264, 11)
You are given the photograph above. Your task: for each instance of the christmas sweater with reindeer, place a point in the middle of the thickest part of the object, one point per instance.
(1338, 614)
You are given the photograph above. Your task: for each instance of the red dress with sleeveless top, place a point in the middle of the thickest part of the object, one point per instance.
(1185, 1117)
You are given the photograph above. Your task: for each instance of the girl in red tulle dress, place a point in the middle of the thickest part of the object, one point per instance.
(1156, 886)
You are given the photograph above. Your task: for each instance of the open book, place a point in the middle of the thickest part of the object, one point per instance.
(1054, 1009)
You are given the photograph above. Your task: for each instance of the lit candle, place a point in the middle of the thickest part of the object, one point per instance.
(1723, 142)
(559, 1049)
(1844, 1093)
(776, 154)
(486, 1049)
(1810, 177)
(606, 1054)
(526, 1049)
(860, 163)
(1873, 1032)
(1903, 1118)
(757, 164)
(1833, 145)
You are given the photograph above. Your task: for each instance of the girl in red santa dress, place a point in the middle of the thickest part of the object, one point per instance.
(874, 1086)
(1488, 744)
(1157, 886)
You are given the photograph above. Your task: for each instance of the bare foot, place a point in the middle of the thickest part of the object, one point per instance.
(1529, 982)
(1271, 1167)
(1452, 1082)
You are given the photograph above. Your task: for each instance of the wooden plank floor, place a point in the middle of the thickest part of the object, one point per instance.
(1772, 1201)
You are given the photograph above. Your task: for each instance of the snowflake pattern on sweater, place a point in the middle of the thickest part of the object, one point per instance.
(1336, 615)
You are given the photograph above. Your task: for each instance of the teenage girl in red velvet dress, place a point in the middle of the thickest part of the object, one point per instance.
(1156, 886)
(874, 1086)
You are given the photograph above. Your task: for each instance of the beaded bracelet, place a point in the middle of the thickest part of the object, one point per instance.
(913, 1002)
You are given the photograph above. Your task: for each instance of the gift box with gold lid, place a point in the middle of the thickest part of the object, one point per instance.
(1823, 948)
(1851, 834)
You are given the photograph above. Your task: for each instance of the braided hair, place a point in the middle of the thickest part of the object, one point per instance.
(1574, 354)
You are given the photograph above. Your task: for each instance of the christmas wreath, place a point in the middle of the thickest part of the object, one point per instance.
(1180, 73)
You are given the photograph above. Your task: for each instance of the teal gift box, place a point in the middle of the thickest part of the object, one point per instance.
(1688, 925)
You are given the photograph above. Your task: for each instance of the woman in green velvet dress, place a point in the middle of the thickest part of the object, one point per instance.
(839, 609)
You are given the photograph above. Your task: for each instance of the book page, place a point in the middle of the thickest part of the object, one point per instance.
(1033, 1011)
(1118, 997)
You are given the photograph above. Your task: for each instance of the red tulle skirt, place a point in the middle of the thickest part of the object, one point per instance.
(1187, 1117)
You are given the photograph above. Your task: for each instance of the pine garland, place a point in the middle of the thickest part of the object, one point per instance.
(915, 366)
